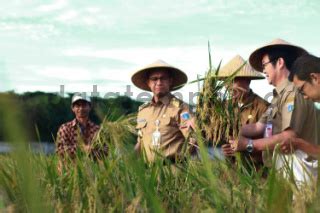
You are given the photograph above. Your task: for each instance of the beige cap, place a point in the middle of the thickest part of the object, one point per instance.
(139, 78)
(256, 57)
(234, 64)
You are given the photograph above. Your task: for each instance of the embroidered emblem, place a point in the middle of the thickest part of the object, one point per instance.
(185, 116)
(175, 102)
(290, 107)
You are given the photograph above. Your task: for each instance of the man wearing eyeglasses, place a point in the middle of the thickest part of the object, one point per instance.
(164, 123)
(305, 75)
(289, 113)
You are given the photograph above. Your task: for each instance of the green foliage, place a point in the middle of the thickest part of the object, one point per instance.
(45, 112)
(123, 182)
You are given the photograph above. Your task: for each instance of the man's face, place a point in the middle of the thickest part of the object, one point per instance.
(240, 87)
(159, 82)
(81, 109)
(309, 90)
(269, 70)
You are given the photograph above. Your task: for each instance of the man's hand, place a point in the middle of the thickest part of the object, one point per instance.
(287, 146)
(87, 148)
(239, 145)
(227, 150)
(137, 147)
(190, 123)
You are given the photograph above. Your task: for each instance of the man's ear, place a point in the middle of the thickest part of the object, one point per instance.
(281, 63)
(315, 78)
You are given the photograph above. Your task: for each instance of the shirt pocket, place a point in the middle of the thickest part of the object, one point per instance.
(141, 124)
(169, 125)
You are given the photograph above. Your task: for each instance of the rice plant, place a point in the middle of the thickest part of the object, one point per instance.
(124, 182)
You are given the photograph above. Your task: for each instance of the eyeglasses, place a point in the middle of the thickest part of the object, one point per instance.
(266, 63)
(300, 89)
(155, 79)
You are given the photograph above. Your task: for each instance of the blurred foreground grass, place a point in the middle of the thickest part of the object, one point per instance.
(124, 183)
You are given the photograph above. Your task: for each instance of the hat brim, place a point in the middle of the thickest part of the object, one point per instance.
(78, 100)
(255, 58)
(140, 78)
(244, 77)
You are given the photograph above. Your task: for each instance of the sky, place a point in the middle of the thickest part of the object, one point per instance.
(78, 45)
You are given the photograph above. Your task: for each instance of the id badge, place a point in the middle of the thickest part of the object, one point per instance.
(268, 130)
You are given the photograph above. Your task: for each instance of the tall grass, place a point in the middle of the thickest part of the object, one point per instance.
(124, 182)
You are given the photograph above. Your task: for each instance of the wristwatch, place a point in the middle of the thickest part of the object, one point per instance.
(249, 146)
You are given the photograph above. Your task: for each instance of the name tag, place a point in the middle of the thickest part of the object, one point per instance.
(268, 130)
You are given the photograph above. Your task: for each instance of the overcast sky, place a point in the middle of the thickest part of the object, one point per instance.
(78, 44)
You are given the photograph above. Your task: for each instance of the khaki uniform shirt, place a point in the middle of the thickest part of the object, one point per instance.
(252, 109)
(289, 109)
(168, 111)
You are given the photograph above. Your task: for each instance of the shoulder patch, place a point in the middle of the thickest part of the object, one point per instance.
(290, 99)
(141, 107)
(175, 102)
(290, 106)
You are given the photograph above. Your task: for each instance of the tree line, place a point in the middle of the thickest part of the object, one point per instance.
(43, 113)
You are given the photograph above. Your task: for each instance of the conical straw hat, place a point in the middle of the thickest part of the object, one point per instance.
(255, 58)
(140, 77)
(234, 64)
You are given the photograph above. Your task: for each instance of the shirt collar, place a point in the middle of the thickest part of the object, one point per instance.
(249, 98)
(248, 101)
(74, 123)
(164, 100)
(282, 86)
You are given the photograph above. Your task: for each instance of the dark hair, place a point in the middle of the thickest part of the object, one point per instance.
(303, 66)
(279, 52)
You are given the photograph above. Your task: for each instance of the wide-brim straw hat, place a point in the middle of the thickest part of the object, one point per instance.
(243, 69)
(140, 77)
(255, 58)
